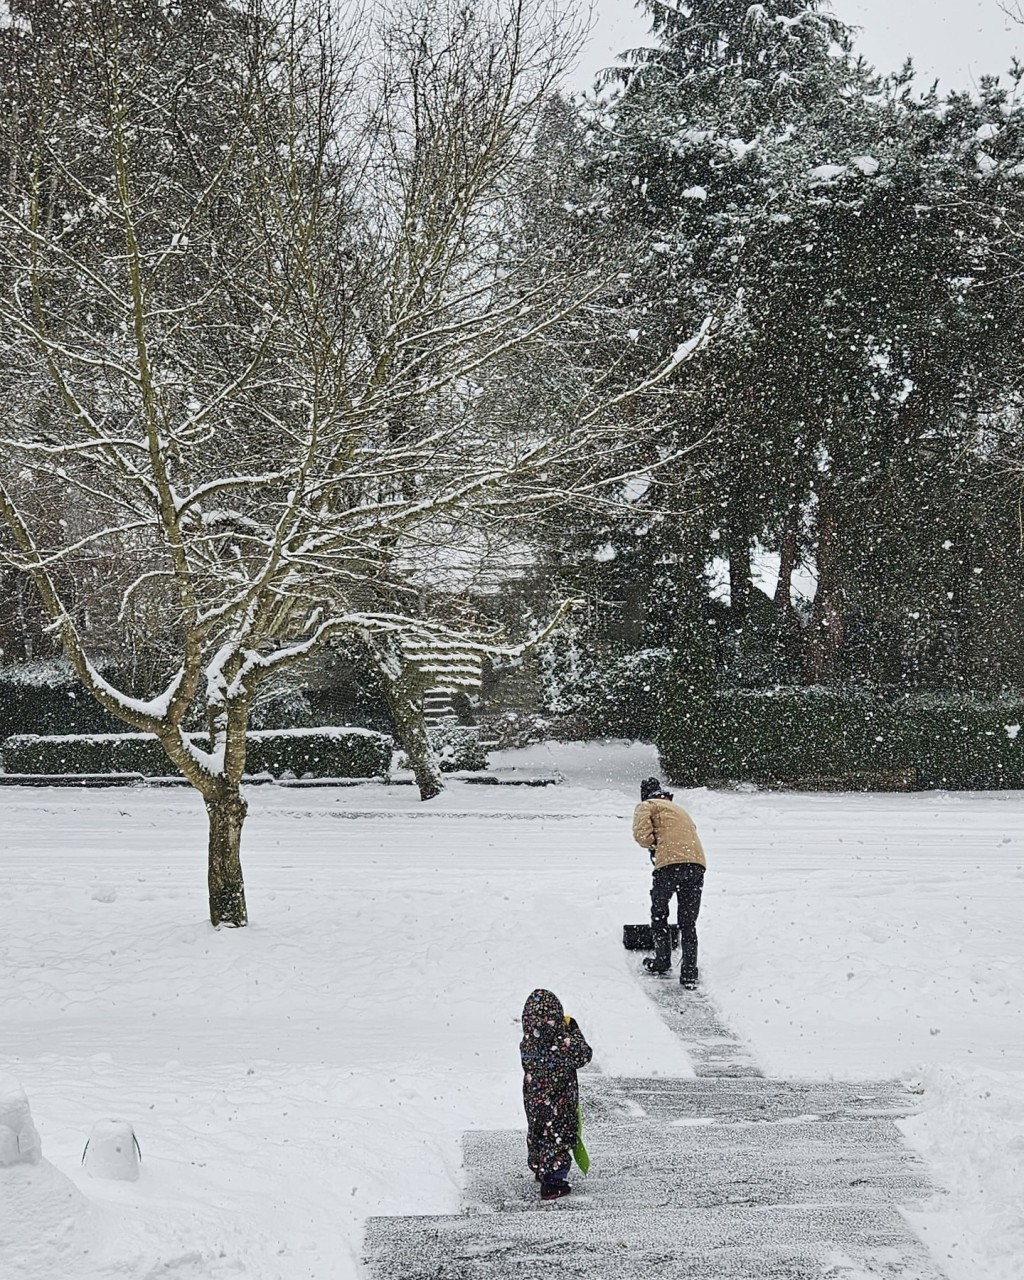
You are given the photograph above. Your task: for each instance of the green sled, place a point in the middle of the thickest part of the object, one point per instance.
(579, 1151)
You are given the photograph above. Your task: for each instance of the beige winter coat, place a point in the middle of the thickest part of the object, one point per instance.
(668, 830)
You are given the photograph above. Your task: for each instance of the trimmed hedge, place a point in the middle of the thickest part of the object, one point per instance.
(320, 753)
(344, 752)
(794, 736)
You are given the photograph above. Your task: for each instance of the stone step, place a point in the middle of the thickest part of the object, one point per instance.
(743, 1098)
(779, 1242)
(813, 1162)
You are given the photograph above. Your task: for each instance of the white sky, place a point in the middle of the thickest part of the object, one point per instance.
(953, 40)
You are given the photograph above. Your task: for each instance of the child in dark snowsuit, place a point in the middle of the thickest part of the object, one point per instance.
(552, 1048)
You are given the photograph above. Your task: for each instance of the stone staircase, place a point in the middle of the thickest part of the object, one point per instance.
(726, 1177)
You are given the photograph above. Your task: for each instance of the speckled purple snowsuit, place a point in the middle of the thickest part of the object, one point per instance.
(551, 1051)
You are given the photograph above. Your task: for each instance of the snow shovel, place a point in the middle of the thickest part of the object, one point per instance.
(638, 937)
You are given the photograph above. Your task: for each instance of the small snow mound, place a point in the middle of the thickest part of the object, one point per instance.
(695, 193)
(112, 1151)
(867, 165)
(19, 1140)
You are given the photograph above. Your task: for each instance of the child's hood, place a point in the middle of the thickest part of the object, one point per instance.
(543, 1016)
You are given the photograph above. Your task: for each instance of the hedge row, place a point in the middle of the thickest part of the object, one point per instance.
(319, 753)
(792, 736)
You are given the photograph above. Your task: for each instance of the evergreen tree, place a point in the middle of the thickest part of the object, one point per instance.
(751, 162)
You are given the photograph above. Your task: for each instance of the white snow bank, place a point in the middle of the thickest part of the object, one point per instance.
(293, 1077)
(972, 1134)
(878, 936)
(45, 1226)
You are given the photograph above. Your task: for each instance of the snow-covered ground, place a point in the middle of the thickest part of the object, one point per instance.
(287, 1080)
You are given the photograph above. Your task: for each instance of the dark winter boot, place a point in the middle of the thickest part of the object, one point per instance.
(554, 1190)
(688, 980)
(662, 960)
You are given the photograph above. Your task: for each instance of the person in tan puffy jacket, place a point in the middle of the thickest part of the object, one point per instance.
(667, 830)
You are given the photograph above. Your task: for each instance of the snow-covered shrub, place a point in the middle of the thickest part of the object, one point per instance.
(603, 693)
(325, 752)
(458, 747)
(800, 735)
(519, 729)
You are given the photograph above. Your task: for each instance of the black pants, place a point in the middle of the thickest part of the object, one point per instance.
(685, 880)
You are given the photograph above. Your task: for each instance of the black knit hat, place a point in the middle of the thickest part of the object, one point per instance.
(650, 789)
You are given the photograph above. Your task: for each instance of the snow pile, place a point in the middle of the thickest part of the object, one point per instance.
(19, 1141)
(45, 1227)
(112, 1152)
(972, 1134)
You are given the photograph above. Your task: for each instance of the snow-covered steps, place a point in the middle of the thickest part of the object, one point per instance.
(707, 1179)
(726, 1176)
(744, 1098)
(685, 1164)
(774, 1242)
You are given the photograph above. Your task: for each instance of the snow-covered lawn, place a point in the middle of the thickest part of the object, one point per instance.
(289, 1079)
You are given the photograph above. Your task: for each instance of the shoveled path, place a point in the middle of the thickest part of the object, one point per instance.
(727, 1177)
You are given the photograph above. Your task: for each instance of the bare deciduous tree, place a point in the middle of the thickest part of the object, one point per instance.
(253, 274)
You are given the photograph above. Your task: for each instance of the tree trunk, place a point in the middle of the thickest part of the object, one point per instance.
(226, 812)
(738, 551)
(788, 624)
(787, 563)
(826, 630)
(739, 581)
(405, 701)
(411, 730)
